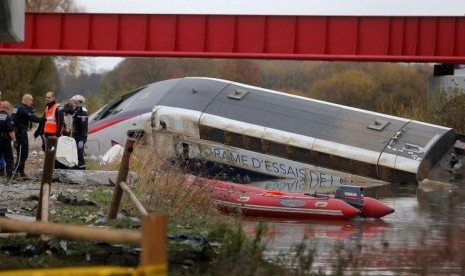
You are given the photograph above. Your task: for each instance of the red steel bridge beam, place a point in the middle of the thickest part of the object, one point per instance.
(351, 38)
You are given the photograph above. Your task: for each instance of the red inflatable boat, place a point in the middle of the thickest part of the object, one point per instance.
(346, 203)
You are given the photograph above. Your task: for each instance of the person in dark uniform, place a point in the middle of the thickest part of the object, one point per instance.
(7, 134)
(23, 116)
(68, 112)
(2, 160)
(79, 131)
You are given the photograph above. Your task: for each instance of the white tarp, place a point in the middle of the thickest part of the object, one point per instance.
(115, 153)
(67, 151)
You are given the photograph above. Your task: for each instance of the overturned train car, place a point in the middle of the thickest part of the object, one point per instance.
(278, 134)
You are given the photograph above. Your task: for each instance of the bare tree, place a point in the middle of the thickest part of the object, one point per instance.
(51, 6)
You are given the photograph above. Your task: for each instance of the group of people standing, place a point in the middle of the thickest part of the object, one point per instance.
(15, 123)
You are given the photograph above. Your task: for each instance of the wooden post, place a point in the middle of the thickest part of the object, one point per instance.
(140, 208)
(122, 176)
(72, 231)
(154, 242)
(13, 235)
(45, 203)
(47, 174)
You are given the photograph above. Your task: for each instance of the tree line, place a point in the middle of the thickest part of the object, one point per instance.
(393, 88)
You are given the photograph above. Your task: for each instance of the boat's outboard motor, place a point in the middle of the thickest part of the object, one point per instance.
(350, 194)
(453, 159)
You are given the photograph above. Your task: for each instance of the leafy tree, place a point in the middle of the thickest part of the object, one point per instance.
(34, 74)
(447, 108)
(283, 75)
(399, 85)
(135, 72)
(245, 71)
(106, 95)
(353, 88)
(84, 83)
(25, 74)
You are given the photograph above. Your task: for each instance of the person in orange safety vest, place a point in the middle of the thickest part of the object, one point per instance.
(53, 126)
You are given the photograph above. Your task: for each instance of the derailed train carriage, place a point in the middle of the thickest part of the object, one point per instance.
(278, 134)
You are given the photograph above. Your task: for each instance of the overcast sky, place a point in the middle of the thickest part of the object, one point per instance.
(279, 7)
(271, 7)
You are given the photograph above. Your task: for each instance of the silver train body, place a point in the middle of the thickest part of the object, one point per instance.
(278, 134)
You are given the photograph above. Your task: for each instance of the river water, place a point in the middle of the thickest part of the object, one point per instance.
(424, 236)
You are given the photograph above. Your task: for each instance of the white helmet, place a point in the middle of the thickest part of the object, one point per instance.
(79, 100)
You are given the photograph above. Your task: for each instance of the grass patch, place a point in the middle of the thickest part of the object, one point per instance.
(211, 242)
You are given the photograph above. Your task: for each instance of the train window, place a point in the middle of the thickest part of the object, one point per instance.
(123, 105)
(386, 174)
(233, 139)
(110, 108)
(300, 154)
(264, 145)
(203, 131)
(163, 125)
(365, 169)
(341, 163)
(211, 134)
(117, 105)
(144, 94)
(252, 143)
(405, 177)
(321, 159)
(185, 151)
(273, 148)
(396, 176)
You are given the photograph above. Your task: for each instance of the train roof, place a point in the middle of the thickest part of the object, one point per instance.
(304, 116)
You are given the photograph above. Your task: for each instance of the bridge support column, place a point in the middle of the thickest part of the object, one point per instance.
(448, 80)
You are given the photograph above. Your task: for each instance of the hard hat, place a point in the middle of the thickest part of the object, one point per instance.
(79, 100)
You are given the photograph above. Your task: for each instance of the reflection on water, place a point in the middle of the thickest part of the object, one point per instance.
(297, 185)
(425, 234)
(310, 186)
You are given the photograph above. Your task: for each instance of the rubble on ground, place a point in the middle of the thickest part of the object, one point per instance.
(94, 177)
